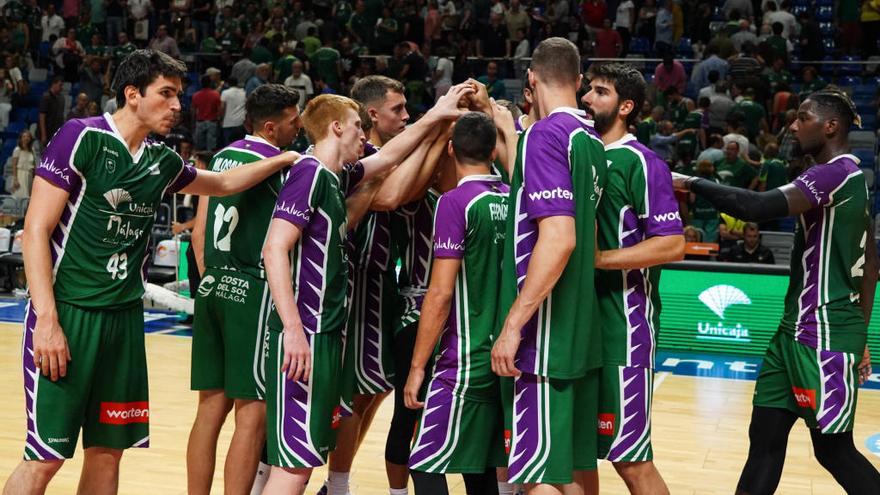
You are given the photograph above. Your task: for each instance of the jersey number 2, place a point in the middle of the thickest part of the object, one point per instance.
(222, 216)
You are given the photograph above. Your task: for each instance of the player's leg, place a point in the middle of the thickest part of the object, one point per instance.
(201, 449)
(838, 454)
(403, 421)
(100, 471)
(584, 446)
(369, 414)
(118, 412)
(287, 481)
(485, 483)
(244, 334)
(207, 377)
(641, 477)
(246, 446)
(31, 477)
(347, 442)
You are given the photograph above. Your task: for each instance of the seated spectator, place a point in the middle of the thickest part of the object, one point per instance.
(647, 127)
(80, 108)
(302, 83)
(670, 72)
(751, 250)
(24, 161)
(662, 143)
(732, 170)
(693, 235)
(494, 85)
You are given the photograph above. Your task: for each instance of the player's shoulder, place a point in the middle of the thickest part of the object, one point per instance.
(74, 128)
(628, 151)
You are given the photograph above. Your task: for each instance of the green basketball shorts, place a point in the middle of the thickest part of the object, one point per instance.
(624, 423)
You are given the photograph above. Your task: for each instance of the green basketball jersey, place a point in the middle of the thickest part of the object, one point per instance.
(236, 226)
(469, 224)
(412, 237)
(822, 307)
(100, 244)
(313, 199)
(560, 171)
(638, 203)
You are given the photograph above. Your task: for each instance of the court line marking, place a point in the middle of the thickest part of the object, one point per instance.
(659, 379)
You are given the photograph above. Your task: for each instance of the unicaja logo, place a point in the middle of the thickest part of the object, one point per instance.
(116, 197)
(718, 298)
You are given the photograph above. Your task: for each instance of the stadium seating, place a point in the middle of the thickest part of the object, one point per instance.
(779, 243)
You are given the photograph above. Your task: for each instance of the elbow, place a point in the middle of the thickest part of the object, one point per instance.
(386, 202)
(676, 249)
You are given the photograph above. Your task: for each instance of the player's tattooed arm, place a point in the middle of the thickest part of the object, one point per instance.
(434, 313)
(653, 251)
(235, 180)
(402, 145)
(51, 352)
(744, 204)
(556, 241)
(397, 186)
(281, 239)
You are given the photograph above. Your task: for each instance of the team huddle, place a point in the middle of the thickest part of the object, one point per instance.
(497, 274)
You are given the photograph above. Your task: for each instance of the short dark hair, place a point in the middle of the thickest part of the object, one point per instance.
(141, 68)
(269, 101)
(778, 28)
(704, 102)
(204, 157)
(628, 83)
(833, 103)
(205, 81)
(713, 76)
(473, 138)
(557, 60)
(372, 89)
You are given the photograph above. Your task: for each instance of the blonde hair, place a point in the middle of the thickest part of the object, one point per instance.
(322, 111)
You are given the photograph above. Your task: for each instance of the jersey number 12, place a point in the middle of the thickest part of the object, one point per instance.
(222, 216)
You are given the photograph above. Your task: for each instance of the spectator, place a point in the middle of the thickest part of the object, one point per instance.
(593, 12)
(20, 86)
(93, 110)
(206, 104)
(670, 72)
(164, 43)
(810, 38)
(262, 53)
(737, 133)
(51, 23)
(139, 18)
(732, 170)
(494, 85)
(745, 69)
(7, 90)
(754, 114)
(244, 69)
(442, 75)
(494, 41)
(730, 232)
(778, 42)
(646, 26)
(232, 110)
(284, 64)
(216, 78)
(311, 43)
(704, 214)
(609, 44)
(68, 55)
(783, 16)
(663, 28)
(647, 127)
(785, 138)
(327, 63)
(449, 16)
(302, 83)
(122, 49)
(387, 32)
(257, 32)
(662, 143)
(51, 111)
(70, 10)
(517, 18)
(24, 161)
(115, 18)
(714, 150)
(773, 172)
(91, 80)
(811, 82)
(498, 9)
(413, 74)
(712, 63)
(260, 77)
(751, 250)
(80, 108)
(624, 23)
(744, 35)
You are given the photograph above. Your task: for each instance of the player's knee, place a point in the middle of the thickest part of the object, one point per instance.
(832, 450)
(250, 415)
(634, 472)
(43, 471)
(103, 457)
(362, 402)
(214, 405)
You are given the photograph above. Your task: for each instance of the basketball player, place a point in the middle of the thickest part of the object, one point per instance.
(549, 257)
(460, 429)
(305, 346)
(639, 229)
(95, 195)
(232, 303)
(525, 120)
(818, 356)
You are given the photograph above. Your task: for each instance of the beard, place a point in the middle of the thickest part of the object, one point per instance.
(602, 122)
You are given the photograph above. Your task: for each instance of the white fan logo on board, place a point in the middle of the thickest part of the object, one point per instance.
(116, 197)
(718, 298)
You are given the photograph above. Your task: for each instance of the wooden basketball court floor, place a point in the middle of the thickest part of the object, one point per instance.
(700, 434)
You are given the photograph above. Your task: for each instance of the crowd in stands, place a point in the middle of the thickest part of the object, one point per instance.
(730, 77)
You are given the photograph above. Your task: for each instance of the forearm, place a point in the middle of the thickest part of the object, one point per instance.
(395, 151)
(650, 252)
(358, 204)
(235, 180)
(198, 234)
(741, 203)
(435, 311)
(38, 271)
(402, 179)
(869, 277)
